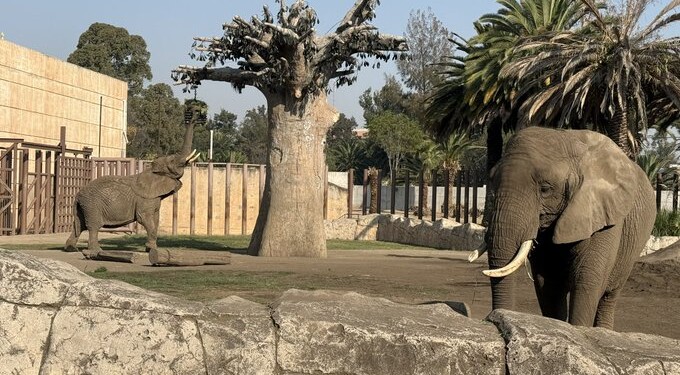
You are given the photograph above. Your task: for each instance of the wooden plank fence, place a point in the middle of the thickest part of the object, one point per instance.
(38, 184)
(426, 206)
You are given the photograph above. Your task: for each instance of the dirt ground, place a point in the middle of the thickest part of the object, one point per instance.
(650, 302)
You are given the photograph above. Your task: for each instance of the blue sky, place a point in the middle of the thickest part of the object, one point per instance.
(53, 27)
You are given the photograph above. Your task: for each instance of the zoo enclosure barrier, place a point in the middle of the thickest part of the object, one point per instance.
(666, 187)
(462, 194)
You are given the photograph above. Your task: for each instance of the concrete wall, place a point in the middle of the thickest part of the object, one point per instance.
(39, 94)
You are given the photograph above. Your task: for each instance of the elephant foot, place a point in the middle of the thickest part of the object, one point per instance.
(70, 248)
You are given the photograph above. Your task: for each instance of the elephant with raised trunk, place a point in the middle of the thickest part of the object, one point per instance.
(574, 205)
(112, 201)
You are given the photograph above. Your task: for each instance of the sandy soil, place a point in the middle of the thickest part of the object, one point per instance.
(650, 302)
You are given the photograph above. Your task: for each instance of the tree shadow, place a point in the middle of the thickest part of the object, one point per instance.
(135, 243)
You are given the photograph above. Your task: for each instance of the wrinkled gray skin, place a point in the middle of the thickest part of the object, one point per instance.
(590, 210)
(112, 201)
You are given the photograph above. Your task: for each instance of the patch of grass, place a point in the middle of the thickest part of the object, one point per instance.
(236, 244)
(264, 287)
(667, 223)
(100, 270)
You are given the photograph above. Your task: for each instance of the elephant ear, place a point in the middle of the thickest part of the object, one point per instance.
(604, 189)
(151, 185)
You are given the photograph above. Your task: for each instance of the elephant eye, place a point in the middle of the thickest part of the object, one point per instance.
(546, 189)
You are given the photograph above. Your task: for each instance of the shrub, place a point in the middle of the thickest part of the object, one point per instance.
(667, 223)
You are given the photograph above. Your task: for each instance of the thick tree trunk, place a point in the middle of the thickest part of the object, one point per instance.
(494, 152)
(290, 221)
(617, 130)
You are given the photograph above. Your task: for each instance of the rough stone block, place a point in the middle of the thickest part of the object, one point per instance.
(341, 229)
(94, 340)
(537, 345)
(23, 335)
(28, 280)
(238, 337)
(119, 295)
(333, 332)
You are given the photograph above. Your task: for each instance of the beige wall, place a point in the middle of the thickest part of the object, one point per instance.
(39, 94)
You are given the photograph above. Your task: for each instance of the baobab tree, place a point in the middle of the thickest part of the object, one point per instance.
(282, 56)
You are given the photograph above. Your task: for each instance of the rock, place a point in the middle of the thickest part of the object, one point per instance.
(341, 229)
(657, 243)
(95, 340)
(333, 332)
(23, 336)
(27, 280)
(441, 234)
(537, 345)
(239, 337)
(367, 226)
(468, 236)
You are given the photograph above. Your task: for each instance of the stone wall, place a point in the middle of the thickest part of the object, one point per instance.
(39, 94)
(441, 234)
(57, 320)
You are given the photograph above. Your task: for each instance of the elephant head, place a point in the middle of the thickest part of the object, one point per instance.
(557, 187)
(163, 177)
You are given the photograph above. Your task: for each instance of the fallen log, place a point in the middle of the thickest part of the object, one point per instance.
(115, 256)
(177, 257)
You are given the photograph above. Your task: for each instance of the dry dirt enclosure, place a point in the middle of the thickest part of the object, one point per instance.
(650, 302)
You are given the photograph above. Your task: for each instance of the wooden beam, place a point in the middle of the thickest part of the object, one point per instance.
(183, 257)
(115, 256)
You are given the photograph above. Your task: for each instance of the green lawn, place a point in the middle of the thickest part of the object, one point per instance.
(230, 243)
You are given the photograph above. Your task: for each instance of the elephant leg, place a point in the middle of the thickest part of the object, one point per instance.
(550, 283)
(78, 226)
(591, 267)
(93, 238)
(605, 310)
(149, 219)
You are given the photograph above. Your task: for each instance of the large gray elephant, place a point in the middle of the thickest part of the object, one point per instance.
(112, 201)
(587, 211)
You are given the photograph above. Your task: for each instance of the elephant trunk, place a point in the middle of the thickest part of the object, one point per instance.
(188, 139)
(512, 226)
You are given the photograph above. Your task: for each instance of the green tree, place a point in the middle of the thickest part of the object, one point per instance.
(396, 134)
(603, 74)
(111, 50)
(226, 136)
(347, 154)
(428, 41)
(282, 56)
(390, 97)
(472, 93)
(253, 135)
(341, 131)
(155, 122)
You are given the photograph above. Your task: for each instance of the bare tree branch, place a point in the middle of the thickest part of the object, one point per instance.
(361, 11)
(192, 75)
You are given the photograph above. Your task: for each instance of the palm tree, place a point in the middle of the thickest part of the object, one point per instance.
(472, 93)
(606, 75)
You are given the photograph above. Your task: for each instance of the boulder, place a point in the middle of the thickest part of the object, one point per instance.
(57, 320)
(325, 332)
(341, 229)
(537, 345)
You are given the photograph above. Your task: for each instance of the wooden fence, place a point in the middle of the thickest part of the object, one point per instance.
(460, 201)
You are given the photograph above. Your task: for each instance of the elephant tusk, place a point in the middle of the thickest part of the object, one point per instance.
(194, 158)
(477, 253)
(190, 156)
(514, 264)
